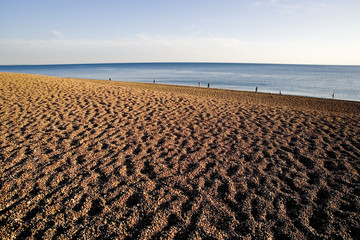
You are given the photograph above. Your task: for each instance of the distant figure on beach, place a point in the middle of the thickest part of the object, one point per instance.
(280, 92)
(109, 79)
(198, 84)
(256, 89)
(208, 85)
(154, 81)
(333, 95)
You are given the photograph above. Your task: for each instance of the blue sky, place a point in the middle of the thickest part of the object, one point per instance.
(245, 31)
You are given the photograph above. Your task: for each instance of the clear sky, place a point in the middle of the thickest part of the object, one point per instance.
(244, 31)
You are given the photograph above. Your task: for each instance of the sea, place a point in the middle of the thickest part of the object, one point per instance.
(320, 81)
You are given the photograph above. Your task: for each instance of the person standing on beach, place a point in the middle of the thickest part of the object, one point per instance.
(333, 95)
(208, 85)
(256, 89)
(198, 84)
(154, 81)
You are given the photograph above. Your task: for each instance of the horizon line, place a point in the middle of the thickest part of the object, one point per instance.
(170, 62)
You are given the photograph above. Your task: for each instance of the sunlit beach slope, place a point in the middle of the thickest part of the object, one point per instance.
(89, 159)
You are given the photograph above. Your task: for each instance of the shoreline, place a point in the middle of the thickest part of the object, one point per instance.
(270, 99)
(270, 78)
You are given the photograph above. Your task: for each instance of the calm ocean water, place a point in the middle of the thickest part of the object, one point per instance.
(302, 80)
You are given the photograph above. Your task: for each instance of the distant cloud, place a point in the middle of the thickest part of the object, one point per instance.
(158, 48)
(57, 33)
(142, 48)
(192, 30)
(143, 36)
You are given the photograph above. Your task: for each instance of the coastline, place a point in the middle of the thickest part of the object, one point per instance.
(331, 106)
(319, 81)
(107, 159)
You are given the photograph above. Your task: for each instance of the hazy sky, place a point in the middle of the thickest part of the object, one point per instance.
(245, 31)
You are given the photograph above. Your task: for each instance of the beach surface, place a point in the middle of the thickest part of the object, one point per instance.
(90, 159)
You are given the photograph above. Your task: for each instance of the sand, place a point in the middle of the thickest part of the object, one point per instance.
(85, 159)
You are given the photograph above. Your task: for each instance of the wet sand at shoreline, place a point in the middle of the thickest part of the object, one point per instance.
(97, 159)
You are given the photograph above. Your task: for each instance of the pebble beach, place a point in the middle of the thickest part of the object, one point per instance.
(91, 159)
